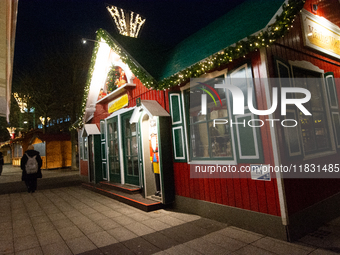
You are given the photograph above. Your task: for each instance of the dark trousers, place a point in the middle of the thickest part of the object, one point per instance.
(31, 184)
(158, 182)
(1, 169)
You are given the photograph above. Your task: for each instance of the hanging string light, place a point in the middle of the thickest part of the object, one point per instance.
(265, 38)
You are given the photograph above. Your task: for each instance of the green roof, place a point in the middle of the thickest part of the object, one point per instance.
(244, 20)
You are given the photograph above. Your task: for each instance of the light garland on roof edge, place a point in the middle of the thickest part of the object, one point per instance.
(265, 38)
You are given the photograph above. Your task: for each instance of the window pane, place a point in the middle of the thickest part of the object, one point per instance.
(116, 167)
(128, 152)
(314, 128)
(308, 138)
(134, 146)
(200, 140)
(110, 130)
(115, 131)
(220, 140)
(133, 129)
(130, 166)
(207, 141)
(316, 101)
(321, 132)
(127, 127)
(135, 166)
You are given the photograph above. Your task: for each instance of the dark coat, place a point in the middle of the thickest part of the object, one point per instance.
(1, 159)
(24, 159)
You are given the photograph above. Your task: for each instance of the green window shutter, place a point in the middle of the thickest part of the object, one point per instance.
(334, 105)
(102, 138)
(177, 128)
(247, 139)
(292, 135)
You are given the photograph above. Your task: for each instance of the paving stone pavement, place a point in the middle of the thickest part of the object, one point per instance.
(10, 179)
(73, 220)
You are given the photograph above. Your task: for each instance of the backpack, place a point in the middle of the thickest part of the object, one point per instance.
(31, 166)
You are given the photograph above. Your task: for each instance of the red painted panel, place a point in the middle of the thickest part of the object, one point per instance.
(218, 191)
(238, 193)
(201, 188)
(224, 191)
(262, 197)
(329, 9)
(270, 190)
(231, 193)
(206, 190)
(83, 168)
(196, 189)
(254, 204)
(212, 190)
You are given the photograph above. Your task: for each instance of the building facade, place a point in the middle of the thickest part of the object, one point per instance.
(152, 128)
(8, 18)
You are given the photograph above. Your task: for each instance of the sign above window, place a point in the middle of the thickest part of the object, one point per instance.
(320, 34)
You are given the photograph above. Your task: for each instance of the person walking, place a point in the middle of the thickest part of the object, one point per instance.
(31, 168)
(1, 162)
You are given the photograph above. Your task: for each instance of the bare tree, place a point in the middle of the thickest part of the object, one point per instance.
(55, 85)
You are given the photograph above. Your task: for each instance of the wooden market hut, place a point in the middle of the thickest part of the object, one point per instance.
(5, 148)
(55, 149)
(257, 40)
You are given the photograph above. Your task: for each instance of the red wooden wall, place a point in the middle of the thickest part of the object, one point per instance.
(140, 91)
(244, 193)
(83, 167)
(301, 193)
(146, 94)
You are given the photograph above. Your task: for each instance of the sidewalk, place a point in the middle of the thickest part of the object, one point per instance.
(63, 218)
(10, 180)
(73, 220)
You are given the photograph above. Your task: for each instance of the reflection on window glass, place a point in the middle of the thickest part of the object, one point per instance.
(314, 128)
(85, 148)
(206, 140)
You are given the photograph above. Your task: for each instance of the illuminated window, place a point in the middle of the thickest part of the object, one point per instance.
(206, 140)
(314, 128)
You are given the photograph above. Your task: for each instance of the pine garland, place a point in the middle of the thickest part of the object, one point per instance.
(265, 38)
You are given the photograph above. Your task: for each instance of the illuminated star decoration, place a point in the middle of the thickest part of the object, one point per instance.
(127, 23)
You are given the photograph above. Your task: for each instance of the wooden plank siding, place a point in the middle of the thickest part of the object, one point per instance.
(244, 193)
(301, 193)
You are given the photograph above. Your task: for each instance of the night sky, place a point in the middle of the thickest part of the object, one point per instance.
(167, 22)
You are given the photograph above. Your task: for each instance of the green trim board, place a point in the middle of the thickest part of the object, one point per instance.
(177, 121)
(331, 90)
(334, 105)
(98, 174)
(175, 108)
(178, 140)
(165, 160)
(248, 141)
(103, 149)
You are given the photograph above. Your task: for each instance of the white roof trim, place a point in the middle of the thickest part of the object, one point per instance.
(90, 129)
(151, 107)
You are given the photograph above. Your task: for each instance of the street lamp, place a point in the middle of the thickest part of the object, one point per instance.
(84, 40)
